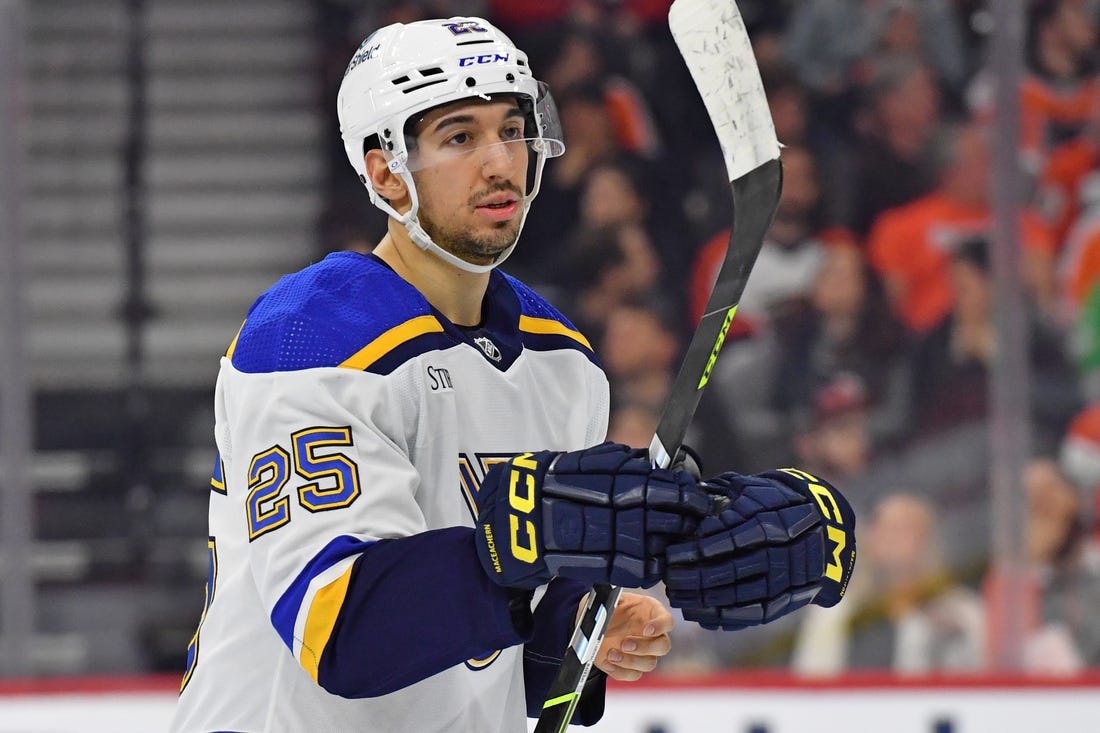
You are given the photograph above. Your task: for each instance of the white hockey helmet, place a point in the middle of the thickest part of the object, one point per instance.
(403, 70)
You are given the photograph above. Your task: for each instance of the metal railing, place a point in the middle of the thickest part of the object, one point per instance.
(17, 597)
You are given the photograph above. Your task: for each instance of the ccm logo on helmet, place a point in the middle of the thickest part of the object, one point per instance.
(485, 58)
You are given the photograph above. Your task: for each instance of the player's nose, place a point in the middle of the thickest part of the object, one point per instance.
(497, 160)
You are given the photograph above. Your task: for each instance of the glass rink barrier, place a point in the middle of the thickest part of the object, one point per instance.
(746, 702)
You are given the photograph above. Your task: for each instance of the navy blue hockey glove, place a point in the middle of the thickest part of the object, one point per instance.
(784, 539)
(599, 515)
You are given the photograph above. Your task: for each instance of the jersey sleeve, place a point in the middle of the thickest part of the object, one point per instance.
(352, 584)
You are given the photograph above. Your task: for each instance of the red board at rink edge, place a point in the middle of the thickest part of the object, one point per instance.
(864, 680)
(89, 685)
(756, 679)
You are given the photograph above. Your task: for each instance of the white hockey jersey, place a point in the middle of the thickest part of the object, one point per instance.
(354, 424)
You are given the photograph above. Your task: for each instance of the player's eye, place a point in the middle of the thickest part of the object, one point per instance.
(459, 139)
(512, 132)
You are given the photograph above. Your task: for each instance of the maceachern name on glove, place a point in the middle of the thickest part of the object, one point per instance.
(491, 545)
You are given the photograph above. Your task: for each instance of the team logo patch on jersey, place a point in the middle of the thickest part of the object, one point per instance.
(489, 348)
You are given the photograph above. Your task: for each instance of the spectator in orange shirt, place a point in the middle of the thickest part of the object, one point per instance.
(1061, 78)
(910, 246)
(1061, 196)
(1057, 94)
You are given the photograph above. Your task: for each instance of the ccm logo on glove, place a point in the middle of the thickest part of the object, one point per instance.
(776, 542)
(834, 526)
(521, 499)
(599, 515)
(522, 478)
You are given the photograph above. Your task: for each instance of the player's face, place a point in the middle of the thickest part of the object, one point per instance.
(470, 174)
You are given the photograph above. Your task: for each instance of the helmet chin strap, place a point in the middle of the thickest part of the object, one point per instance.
(424, 241)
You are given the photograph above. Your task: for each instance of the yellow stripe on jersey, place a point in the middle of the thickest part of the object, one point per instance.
(233, 343)
(321, 620)
(390, 340)
(483, 663)
(549, 326)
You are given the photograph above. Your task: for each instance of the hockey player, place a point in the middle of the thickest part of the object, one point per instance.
(386, 551)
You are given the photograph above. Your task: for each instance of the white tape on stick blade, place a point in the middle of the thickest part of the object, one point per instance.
(712, 39)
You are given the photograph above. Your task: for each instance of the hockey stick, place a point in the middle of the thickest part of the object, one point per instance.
(712, 39)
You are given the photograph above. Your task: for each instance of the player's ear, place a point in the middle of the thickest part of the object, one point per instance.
(385, 182)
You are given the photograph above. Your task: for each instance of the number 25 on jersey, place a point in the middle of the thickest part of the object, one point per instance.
(332, 479)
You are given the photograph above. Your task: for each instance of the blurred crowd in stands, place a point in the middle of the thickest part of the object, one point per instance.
(863, 344)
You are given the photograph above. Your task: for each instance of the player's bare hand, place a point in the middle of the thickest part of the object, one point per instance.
(637, 636)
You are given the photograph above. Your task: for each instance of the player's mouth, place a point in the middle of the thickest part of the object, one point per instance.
(498, 207)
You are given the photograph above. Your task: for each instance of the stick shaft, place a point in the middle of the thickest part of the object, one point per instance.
(712, 39)
(755, 196)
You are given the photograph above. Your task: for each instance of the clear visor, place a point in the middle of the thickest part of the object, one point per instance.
(511, 143)
(523, 149)
(546, 113)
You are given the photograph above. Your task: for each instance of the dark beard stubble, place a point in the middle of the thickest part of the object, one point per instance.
(479, 250)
